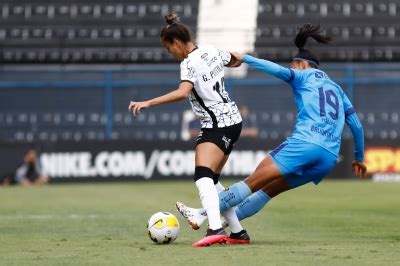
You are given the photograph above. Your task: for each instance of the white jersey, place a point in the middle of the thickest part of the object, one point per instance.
(204, 68)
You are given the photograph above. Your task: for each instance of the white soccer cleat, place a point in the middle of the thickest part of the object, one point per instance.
(194, 217)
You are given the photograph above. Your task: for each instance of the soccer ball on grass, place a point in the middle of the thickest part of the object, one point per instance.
(163, 227)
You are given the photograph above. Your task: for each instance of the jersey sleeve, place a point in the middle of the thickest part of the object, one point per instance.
(348, 107)
(353, 122)
(276, 70)
(187, 72)
(226, 57)
(356, 128)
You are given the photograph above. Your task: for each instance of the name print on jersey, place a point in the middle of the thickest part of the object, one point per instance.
(214, 72)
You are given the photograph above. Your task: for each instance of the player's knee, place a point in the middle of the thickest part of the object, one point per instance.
(202, 171)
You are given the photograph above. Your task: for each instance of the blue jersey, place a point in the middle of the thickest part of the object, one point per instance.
(322, 106)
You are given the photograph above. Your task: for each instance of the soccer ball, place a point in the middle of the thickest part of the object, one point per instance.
(163, 227)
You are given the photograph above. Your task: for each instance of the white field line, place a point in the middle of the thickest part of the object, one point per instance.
(57, 217)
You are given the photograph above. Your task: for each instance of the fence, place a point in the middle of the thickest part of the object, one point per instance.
(373, 88)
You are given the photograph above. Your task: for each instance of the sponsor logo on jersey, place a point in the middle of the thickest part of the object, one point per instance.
(320, 75)
(208, 60)
(204, 56)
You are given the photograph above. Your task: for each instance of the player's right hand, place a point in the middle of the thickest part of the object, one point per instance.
(136, 107)
(359, 169)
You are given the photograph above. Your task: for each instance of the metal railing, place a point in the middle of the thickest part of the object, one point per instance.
(111, 78)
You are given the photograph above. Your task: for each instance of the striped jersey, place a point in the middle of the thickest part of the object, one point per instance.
(204, 68)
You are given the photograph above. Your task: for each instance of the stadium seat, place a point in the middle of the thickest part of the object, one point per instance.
(43, 31)
(348, 22)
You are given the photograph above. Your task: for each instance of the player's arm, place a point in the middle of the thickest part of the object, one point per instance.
(352, 120)
(181, 93)
(276, 70)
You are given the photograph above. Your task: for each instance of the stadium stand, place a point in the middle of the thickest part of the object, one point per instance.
(128, 32)
(87, 31)
(356, 38)
(56, 103)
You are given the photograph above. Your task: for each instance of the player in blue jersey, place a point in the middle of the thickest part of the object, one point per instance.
(312, 150)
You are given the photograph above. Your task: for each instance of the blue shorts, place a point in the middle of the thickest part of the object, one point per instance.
(301, 162)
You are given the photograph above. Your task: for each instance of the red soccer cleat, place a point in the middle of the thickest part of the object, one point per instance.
(212, 237)
(238, 238)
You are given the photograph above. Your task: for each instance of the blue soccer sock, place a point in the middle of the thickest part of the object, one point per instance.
(234, 195)
(251, 205)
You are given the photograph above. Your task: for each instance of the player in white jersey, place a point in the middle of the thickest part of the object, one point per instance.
(202, 81)
(204, 69)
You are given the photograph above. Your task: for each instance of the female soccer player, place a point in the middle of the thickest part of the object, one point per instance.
(312, 150)
(202, 80)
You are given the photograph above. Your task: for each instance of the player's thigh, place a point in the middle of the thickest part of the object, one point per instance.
(276, 187)
(209, 155)
(265, 173)
(222, 164)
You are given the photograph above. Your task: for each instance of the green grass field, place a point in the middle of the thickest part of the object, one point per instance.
(335, 223)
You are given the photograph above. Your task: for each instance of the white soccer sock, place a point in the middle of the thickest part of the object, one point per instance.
(210, 201)
(230, 214)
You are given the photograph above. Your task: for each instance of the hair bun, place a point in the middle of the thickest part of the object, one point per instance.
(171, 18)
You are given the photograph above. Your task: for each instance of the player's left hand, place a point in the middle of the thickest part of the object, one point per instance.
(359, 169)
(136, 107)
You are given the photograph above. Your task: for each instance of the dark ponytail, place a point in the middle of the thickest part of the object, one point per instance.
(175, 30)
(306, 31)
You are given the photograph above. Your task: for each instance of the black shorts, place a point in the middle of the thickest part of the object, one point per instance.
(225, 138)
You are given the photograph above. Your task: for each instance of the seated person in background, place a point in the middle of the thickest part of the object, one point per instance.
(6, 180)
(249, 128)
(190, 125)
(194, 128)
(30, 172)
